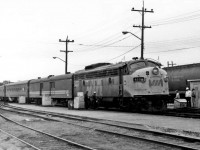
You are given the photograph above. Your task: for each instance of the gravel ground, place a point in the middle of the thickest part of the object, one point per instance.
(175, 125)
(81, 135)
(9, 143)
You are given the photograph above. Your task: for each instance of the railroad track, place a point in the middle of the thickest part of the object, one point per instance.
(174, 141)
(29, 146)
(40, 140)
(186, 113)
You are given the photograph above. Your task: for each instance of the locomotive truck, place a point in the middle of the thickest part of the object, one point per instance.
(138, 84)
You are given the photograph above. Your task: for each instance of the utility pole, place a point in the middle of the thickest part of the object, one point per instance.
(172, 64)
(142, 27)
(66, 51)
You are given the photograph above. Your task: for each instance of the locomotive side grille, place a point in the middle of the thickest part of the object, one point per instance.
(97, 74)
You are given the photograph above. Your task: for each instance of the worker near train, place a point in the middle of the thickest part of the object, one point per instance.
(94, 101)
(177, 95)
(193, 98)
(188, 95)
(86, 99)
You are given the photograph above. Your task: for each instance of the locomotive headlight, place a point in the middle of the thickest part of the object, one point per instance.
(155, 71)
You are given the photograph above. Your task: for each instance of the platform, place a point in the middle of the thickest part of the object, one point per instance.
(164, 123)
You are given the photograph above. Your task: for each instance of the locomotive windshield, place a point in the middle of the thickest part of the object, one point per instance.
(153, 64)
(142, 64)
(137, 65)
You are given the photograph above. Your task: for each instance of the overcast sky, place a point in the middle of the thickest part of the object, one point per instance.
(30, 31)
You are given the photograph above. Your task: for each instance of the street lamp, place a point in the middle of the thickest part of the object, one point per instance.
(125, 32)
(142, 43)
(60, 59)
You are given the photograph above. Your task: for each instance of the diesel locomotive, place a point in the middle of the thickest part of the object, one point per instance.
(138, 84)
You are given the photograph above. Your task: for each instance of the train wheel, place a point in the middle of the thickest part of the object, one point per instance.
(159, 105)
(125, 104)
(54, 102)
(93, 103)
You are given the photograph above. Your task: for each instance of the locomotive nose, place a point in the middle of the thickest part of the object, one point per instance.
(155, 71)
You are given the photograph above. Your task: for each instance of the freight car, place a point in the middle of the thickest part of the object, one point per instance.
(179, 76)
(136, 84)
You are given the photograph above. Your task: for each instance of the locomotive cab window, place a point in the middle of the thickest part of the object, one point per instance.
(137, 65)
(152, 64)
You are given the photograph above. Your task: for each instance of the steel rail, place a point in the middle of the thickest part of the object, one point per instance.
(148, 140)
(20, 140)
(56, 137)
(185, 114)
(94, 120)
(75, 117)
(141, 138)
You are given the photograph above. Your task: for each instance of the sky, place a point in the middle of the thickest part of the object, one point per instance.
(30, 31)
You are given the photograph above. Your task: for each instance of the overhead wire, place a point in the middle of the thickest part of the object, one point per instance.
(106, 44)
(113, 39)
(103, 26)
(178, 49)
(124, 53)
(97, 47)
(177, 19)
(194, 40)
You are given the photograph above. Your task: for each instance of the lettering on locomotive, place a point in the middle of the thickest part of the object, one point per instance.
(156, 82)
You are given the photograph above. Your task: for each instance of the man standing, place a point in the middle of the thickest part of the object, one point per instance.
(94, 100)
(86, 99)
(188, 95)
(177, 95)
(193, 98)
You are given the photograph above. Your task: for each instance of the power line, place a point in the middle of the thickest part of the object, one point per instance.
(103, 46)
(125, 53)
(179, 49)
(177, 19)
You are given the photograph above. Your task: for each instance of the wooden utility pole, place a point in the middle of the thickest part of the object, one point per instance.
(172, 64)
(142, 27)
(66, 51)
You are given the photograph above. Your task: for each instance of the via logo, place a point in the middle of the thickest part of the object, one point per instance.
(156, 82)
